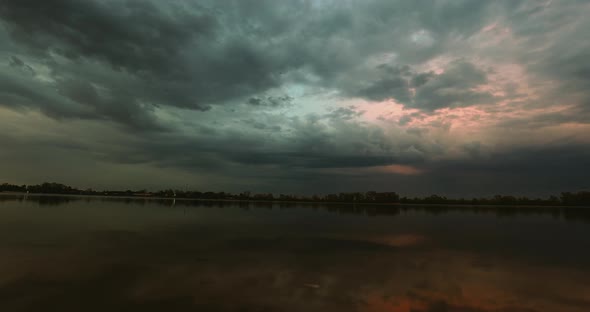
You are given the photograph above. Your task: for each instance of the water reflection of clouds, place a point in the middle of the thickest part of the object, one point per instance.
(261, 264)
(275, 279)
(402, 240)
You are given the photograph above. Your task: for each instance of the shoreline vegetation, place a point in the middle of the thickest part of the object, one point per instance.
(566, 199)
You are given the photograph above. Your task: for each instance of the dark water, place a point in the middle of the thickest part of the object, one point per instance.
(81, 254)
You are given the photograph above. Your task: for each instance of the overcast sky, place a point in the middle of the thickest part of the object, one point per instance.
(453, 97)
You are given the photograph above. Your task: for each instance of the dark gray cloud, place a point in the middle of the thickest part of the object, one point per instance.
(344, 113)
(271, 101)
(18, 63)
(267, 90)
(390, 87)
(174, 54)
(137, 36)
(20, 91)
(455, 87)
(311, 142)
(189, 55)
(534, 171)
(553, 51)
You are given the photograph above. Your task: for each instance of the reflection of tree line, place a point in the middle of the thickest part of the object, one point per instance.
(565, 212)
(565, 199)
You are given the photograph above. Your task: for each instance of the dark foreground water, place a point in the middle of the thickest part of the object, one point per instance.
(82, 254)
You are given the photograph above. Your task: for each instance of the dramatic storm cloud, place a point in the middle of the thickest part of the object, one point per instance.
(454, 97)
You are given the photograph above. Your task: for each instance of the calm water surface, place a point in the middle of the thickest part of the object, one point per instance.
(83, 254)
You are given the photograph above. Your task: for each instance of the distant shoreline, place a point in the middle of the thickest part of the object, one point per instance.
(286, 201)
(579, 198)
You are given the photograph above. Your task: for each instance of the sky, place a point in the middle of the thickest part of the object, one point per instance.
(459, 98)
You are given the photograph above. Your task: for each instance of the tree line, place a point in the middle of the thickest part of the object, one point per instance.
(581, 198)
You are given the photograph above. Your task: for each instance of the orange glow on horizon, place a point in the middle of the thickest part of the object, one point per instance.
(402, 169)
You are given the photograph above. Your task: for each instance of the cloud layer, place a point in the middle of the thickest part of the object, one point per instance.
(300, 96)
